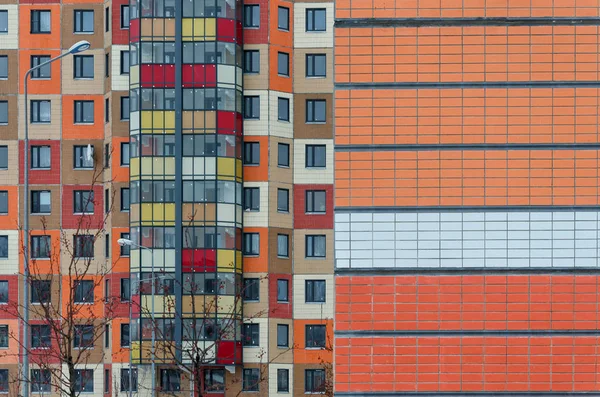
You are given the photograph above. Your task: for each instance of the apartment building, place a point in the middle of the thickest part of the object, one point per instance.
(466, 197)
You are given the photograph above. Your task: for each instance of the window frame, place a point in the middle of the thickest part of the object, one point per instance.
(251, 375)
(251, 107)
(287, 335)
(37, 154)
(4, 199)
(309, 198)
(311, 106)
(4, 291)
(252, 340)
(3, 157)
(3, 239)
(249, 61)
(123, 201)
(79, 291)
(35, 106)
(36, 60)
(280, 387)
(42, 382)
(286, 103)
(128, 19)
(4, 17)
(286, 201)
(125, 375)
(250, 157)
(311, 332)
(248, 199)
(42, 240)
(78, 16)
(82, 199)
(310, 298)
(313, 150)
(249, 22)
(280, 72)
(313, 389)
(281, 145)
(286, 27)
(311, 63)
(79, 158)
(310, 242)
(125, 65)
(283, 285)
(80, 243)
(78, 336)
(4, 59)
(125, 250)
(37, 28)
(128, 113)
(281, 254)
(4, 338)
(44, 338)
(3, 120)
(79, 67)
(42, 290)
(79, 378)
(166, 378)
(79, 114)
(251, 284)
(125, 327)
(311, 18)
(250, 238)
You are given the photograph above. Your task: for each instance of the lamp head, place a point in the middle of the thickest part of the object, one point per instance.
(124, 242)
(80, 46)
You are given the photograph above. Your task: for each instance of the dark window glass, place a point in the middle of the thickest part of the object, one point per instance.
(282, 290)
(125, 287)
(214, 380)
(283, 245)
(283, 18)
(283, 63)
(283, 109)
(251, 244)
(40, 247)
(283, 155)
(170, 380)
(40, 21)
(40, 336)
(106, 381)
(251, 153)
(4, 157)
(315, 336)
(251, 289)
(84, 21)
(124, 17)
(82, 158)
(283, 380)
(83, 336)
(125, 153)
(3, 112)
(124, 199)
(84, 112)
(251, 61)
(282, 335)
(44, 72)
(315, 201)
(3, 291)
(106, 110)
(315, 246)
(40, 291)
(40, 111)
(106, 335)
(315, 20)
(83, 246)
(126, 249)
(251, 16)
(3, 66)
(40, 202)
(3, 21)
(314, 381)
(83, 202)
(4, 247)
(315, 291)
(40, 157)
(41, 380)
(84, 381)
(107, 19)
(316, 65)
(251, 335)
(125, 108)
(251, 199)
(83, 66)
(3, 202)
(84, 291)
(251, 377)
(125, 340)
(252, 107)
(315, 156)
(125, 62)
(125, 379)
(316, 111)
(107, 245)
(4, 381)
(283, 200)
(3, 335)
(106, 156)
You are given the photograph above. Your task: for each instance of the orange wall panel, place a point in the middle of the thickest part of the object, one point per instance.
(312, 355)
(82, 131)
(45, 86)
(42, 41)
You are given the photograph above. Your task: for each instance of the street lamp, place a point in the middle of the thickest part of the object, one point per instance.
(78, 47)
(123, 242)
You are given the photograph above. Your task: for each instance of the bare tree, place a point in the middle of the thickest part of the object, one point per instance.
(68, 315)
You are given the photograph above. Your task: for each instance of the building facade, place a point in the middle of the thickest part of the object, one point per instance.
(466, 197)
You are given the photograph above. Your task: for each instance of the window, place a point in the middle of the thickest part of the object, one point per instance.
(314, 381)
(251, 243)
(83, 66)
(251, 153)
(40, 111)
(83, 246)
(125, 335)
(84, 336)
(3, 247)
(3, 335)
(125, 286)
(251, 16)
(84, 380)
(106, 201)
(283, 63)
(81, 157)
(40, 336)
(106, 381)
(3, 66)
(3, 21)
(106, 110)
(315, 336)
(3, 202)
(315, 156)
(124, 199)
(315, 246)
(251, 61)
(315, 201)
(283, 335)
(251, 335)
(282, 290)
(41, 380)
(125, 379)
(84, 21)
(84, 291)
(170, 380)
(106, 335)
(283, 200)
(3, 112)
(106, 65)
(283, 245)
(315, 20)
(283, 155)
(84, 112)
(283, 18)
(124, 17)
(251, 289)
(40, 291)
(83, 202)
(252, 107)
(251, 199)
(40, 21)
(315, 111)
(314, 291)
(283, 109)
(4, 381)
(40, 157)
(316, 65)
(283, 380)
(3, 291)
(40, 247)
(126, 249)
(124, 108)
(214, 380)
(107, 19)
(124, 62)
(41, 73)
(4, 157)
(106, 156)
(250, 380)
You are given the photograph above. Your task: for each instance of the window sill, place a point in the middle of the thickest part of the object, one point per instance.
(283, 121)
(40, 32)
(83, 33)
(314, 303)
(40, 169)
(83, 303)
(251, 165)
(122, 210)
(3, 78)
(283, 211)
(247, 72)
(315, 213)
(124, 28)
(41, 259)
(283, 75)
(283, 166)
(315, 77)
(40, 214)
(84, 123)
(316, 122)
(314, 348)
(283, 303)
(312, 258)
(83, 78)
(42, 78)
(245, 255)
(312, 167)
(83, 213)
(40, 122)
(283, 257)
(251, 27)
(83, 169)
(125, 165)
